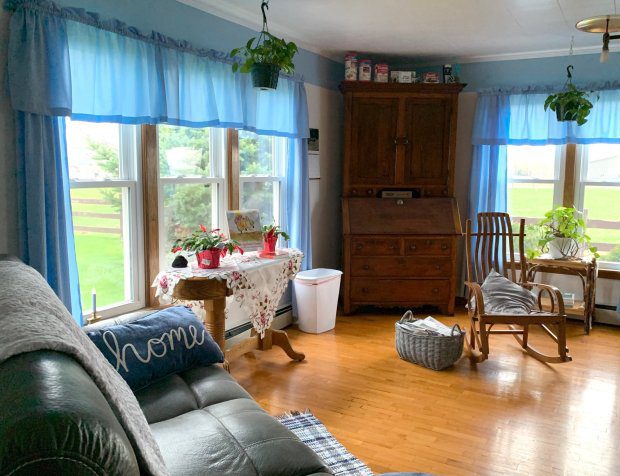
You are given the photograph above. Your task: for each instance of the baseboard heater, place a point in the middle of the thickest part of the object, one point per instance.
(248, 325)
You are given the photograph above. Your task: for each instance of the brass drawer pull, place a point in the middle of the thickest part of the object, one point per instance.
(369, 191)
(366, 267)
(437, 267)
(413, 247)
(435, 290)
(429, 242)
(359, 246)
(444, 246)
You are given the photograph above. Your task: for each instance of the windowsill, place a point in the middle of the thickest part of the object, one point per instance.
(609, 273)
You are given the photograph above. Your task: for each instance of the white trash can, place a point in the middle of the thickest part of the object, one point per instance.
(316, 293)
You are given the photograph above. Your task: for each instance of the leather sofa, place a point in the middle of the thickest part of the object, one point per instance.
(54, 420)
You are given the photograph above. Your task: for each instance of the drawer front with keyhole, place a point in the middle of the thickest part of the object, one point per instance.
(402, 267)
(366, 290)
(428, 246)
(375, 247)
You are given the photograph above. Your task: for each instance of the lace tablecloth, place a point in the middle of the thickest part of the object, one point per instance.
(257, 284)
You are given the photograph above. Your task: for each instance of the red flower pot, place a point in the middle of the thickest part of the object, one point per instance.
(209, 259)
(269, 244)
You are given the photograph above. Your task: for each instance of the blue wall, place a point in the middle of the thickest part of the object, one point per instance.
(204, 30)
(533, 72)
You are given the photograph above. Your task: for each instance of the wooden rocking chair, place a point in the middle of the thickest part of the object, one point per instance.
(492, 248)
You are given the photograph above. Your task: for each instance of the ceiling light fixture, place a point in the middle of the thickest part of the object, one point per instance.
(605, 24)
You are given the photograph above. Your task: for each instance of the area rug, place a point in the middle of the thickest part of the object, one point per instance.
(313, 433)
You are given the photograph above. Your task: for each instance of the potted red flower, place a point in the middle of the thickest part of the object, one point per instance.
(271, 233)
(209, 246)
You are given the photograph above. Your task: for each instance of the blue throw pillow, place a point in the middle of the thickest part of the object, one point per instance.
(160, 344)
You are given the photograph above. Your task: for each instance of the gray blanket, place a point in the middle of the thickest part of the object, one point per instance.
(33, 318)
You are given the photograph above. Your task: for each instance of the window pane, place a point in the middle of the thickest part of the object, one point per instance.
(185, 207)
(532, 162)
(603, 162)
(93, 150)
(185, 152)
(603, 220)
(260, 196)
(529, 200)
(100, 243)
(256, 154)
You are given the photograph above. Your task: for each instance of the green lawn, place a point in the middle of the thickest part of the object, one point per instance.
(99, 255)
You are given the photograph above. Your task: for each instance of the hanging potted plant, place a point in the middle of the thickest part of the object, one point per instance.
(571, 104)
(209, 246)
(271, 233)
(564, 234)
(264, 57)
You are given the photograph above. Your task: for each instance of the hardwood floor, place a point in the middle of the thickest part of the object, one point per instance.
(508, 415)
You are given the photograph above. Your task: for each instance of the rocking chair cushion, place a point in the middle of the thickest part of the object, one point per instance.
(502, 296)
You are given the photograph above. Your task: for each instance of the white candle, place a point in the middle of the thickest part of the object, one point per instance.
(94, 304)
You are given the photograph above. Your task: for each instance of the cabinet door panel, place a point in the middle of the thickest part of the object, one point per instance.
(372, 151)
(427, 154)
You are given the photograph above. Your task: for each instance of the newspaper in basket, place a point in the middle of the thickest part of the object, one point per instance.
(434, 349)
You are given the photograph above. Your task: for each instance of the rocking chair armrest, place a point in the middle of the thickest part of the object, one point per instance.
(476, 290)
(555, 295)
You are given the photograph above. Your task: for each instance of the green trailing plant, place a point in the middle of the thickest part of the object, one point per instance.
(566, 228)
(267, 49)
(571, 104)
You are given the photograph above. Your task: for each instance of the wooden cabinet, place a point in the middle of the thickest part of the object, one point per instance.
(400, 252)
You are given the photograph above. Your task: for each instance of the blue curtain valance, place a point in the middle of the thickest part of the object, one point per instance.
(65, 61)
(518, 118)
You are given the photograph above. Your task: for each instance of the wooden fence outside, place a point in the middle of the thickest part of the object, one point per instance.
(97, 229)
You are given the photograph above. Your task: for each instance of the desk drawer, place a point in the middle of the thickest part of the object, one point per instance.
(375, 246)
(412, 267)
(428, 246)
(399, 290)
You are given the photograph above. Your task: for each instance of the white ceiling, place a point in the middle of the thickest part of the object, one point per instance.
(424, 30)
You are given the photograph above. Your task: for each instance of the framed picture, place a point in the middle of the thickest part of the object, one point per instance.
(244, 227)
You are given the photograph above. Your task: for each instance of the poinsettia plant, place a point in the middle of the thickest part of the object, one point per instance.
(273, 230)
(203, 239)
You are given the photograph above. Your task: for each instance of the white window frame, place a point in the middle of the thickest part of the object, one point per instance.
(279, 150)
(581, 172)
(218, 155)
(130, 147)
(558, 181)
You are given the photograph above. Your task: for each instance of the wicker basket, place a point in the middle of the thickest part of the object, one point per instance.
(426, 348)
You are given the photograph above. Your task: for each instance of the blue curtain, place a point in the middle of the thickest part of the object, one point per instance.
(298, 199)
(104, 71)
(487, 189)
(44, 202)
(69, 62)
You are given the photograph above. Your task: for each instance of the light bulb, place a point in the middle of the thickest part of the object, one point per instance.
(604, 55)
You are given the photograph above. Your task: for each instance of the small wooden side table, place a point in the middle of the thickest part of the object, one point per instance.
(585, 269)
(214, 292)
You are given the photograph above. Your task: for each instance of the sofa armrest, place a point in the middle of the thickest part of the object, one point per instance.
(54, 420)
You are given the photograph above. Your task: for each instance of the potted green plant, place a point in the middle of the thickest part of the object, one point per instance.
(564, 233)
(571, 104)
(208, 246)
(264, 57)
(271, 233)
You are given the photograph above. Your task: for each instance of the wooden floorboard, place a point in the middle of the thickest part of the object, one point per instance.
(508, 415)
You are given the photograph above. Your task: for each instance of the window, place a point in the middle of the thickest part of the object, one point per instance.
(598, 195)
(533, 181)
(537, 182)
(261, 175)
(106, 214)
(192, 187)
